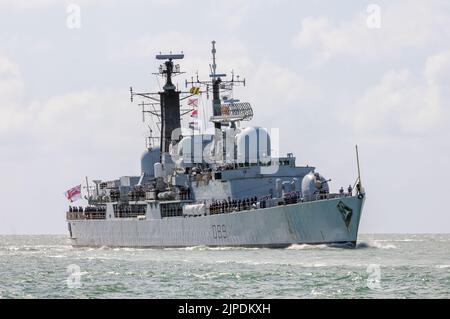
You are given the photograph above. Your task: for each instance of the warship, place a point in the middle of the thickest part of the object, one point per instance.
(221, 186)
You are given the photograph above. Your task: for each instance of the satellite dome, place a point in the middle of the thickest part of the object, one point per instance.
(253, 145)
(193, 148)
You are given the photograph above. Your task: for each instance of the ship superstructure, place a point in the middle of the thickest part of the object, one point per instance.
(226, 186)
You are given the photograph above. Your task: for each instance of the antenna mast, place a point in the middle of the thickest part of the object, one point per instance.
(218, 84)
(169, 114)
(221, 113)
(357, 163)
(214, 65)
(169, 100)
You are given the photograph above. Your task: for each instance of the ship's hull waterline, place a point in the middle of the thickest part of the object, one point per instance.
(317, 222)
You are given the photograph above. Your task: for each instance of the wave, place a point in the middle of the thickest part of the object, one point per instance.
(207, 248)
(306, 247)
(400, 240)
(375, 244)
(35, 248)
(359, 245)
(442, 266)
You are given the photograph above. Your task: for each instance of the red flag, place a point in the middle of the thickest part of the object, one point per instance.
(74, 193)
(194, 113)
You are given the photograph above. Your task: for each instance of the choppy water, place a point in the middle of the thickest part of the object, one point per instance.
(382, 266)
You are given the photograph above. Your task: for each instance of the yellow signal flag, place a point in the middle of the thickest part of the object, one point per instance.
(194, 90)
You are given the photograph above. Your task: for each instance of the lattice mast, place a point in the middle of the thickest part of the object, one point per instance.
(216, 84)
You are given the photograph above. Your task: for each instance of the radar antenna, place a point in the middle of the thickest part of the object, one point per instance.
(217, 85)
(169, 99)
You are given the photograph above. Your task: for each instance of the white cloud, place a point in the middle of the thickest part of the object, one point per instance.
(65, 121)
(276, 86)
(231, 13)
(403, 26)
(23, 4)
(49, 145)
(11, 87)
(197, 48)
(75, 119)
(406, 103)
(7, 67)
(37, 4)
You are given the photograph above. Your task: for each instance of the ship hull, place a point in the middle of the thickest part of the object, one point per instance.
(318, 222)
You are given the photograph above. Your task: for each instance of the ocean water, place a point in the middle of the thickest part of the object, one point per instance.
(381, 266)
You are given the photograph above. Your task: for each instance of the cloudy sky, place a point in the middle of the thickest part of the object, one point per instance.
(329, 74)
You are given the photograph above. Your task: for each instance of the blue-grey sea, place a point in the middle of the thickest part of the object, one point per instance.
(381, 266)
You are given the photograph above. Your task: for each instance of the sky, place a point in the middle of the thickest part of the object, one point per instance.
(328, 74)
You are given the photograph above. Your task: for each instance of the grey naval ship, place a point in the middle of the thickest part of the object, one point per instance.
(222, 187)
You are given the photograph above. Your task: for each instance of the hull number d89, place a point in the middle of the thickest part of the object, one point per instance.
(219, 231)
